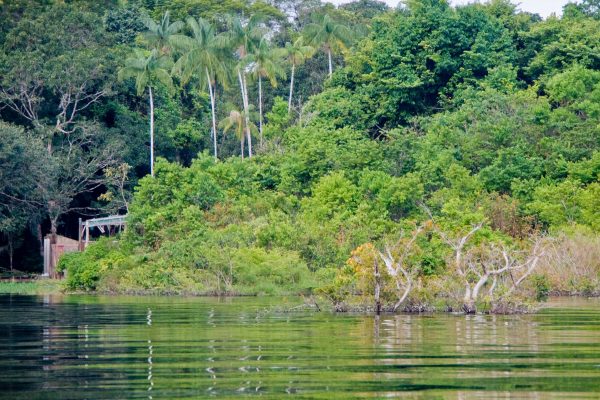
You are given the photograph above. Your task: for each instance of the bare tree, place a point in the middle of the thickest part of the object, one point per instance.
(475, 266)
(397, 266)
(500, 264)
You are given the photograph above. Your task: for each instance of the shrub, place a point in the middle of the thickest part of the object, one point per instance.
(573, 265)
(256, 270)
(85, 269)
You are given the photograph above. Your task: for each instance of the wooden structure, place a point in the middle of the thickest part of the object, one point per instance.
(52, 251)
(110, 225)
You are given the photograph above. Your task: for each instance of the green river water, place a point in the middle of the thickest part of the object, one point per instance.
(92, 347)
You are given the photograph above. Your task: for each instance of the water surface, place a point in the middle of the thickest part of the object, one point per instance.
(86, 347)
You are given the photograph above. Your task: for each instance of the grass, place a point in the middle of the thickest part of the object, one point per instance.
(40, 286)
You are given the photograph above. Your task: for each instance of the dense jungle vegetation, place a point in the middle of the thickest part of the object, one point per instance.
(424, 157)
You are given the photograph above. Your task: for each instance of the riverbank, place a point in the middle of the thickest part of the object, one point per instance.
(35, 286)
(353, 305)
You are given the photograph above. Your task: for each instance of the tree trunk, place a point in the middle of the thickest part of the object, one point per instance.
(291, 88)
(11, 252)
(53, 230)
(377, 287)
(482, 281)
(468, 303)
(211, 91)
(260, 116)
(244, 91)
(242, 146)
(330, 62)
(242, 141)
(471, 295)
(247, 117)
(404, 295)
(151, 131)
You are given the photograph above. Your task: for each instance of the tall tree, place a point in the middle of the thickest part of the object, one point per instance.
(243, 37)
(51, 81)
(236, 120)
(162, 35)
(147, 68)
(23, 161)
(295, 53)
(264, 62)
(329, 34)
(205, 57)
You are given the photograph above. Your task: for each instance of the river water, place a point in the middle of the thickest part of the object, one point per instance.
(91, 347)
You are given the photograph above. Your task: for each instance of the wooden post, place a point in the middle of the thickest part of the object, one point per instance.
(47, 257)
(79, 234)
(377, 287)
(87, 233)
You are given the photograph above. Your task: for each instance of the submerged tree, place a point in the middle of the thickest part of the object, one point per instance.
(399, 266)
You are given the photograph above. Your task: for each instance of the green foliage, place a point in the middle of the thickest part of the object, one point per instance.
(560, 44)
(476, 114)
(318, 151)
(279, 119)
(338, 107)
(542, 286)
(84, 270)
(269, 272)
(126, 23)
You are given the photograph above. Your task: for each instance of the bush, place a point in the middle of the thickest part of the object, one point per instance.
(256, 270)
(84, 270)
(573, 265)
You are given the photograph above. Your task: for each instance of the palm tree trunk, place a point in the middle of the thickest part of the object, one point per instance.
(260, 115)
(247, 116)
(211, 91)
(330, 62)
(291, 88)
(242, 145)
(151, 131)
(244, 90)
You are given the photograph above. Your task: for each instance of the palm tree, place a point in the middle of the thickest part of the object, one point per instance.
(237, 120)
(325, 32)
(243, 37)
(147, 68)
(161, 36)
(204, 56)
(295, 54)
(264, 63)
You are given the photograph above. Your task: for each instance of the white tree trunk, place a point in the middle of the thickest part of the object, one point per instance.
(330, 62)
(407, 290)
(260, 112)
(151, 131)
(242, 146)
(211, 91)
(244, 90)
(482, 281)
(291, 88)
